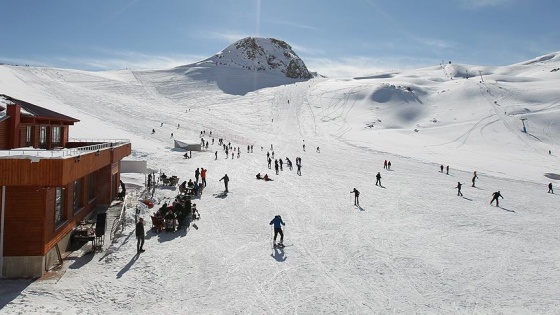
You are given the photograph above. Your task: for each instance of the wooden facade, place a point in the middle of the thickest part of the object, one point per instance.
(44, 196)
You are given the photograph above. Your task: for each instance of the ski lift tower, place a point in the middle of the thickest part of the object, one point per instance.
(523, 122)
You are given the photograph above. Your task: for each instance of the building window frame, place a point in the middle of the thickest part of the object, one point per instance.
(77, 199)
(59, 213)
(29, 136)
(43, 136)
(56, 136)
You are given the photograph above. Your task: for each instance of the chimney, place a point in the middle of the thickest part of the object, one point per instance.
(14, 113)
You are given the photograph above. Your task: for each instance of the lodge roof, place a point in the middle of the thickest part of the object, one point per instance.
(32, 110)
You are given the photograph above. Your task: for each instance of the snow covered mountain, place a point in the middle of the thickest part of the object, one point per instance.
(413, 246)
(262, 54)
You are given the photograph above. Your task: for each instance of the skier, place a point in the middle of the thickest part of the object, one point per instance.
(495, 196)
(378, 177)
(356, 195)
(550, 188)
(474, 178)
(140, 235)
(459, 193)
(277, 222)
(226, 181)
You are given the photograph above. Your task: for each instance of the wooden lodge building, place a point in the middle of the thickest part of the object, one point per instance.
(48, 184)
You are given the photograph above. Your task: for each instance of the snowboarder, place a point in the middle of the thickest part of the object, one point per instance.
(140, 235)
(277, 222)
(495, 196)
(356, 195)
(378, 177)
(226, 181)
(459, 193)
(550, 188)
(474, 178)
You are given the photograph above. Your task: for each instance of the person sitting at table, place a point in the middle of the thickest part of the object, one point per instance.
(183, 187)
(190, 184)
(169, 221)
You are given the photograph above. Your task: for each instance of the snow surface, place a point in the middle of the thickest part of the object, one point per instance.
(414, 246)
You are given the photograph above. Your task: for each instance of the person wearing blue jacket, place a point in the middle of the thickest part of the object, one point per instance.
(277, 222)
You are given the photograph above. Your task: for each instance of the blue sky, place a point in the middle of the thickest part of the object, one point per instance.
(335, 38)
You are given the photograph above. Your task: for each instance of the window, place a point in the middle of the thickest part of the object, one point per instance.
(77, 195)
(59, 206)
(28, 136)
(91, 186)
(56, 136)
(42, 136)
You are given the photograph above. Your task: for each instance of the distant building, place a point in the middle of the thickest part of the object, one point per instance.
(48, 184)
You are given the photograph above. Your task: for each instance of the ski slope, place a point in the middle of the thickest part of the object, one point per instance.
(413, 246)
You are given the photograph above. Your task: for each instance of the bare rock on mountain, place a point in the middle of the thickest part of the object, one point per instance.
(263, 54)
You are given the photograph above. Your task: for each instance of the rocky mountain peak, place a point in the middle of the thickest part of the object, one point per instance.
(263, 54)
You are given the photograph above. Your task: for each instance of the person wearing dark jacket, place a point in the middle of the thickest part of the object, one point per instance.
(356, 195)
(459, 193)
(278, 223)
(550, 188)
(226, 181)
(495, 196)
(140, 235)
(378, 179)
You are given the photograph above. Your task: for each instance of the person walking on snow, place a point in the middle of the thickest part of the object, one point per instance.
(356, 195)
(226, 181)
(378, 177)
(550, 188)
(495, 196)
(278, 223)
(140, 235)
(459, 193)
(474, 178)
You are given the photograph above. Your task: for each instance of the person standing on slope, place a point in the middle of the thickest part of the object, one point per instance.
(278, 223)
(474, 178)
(226, 181)
(378, 179)
(550, 188)
(356, 195)
(495, 196)
(203, 175)
(459, 193)
(140, 235)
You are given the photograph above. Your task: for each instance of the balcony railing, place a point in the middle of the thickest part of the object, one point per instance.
(100, 144)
